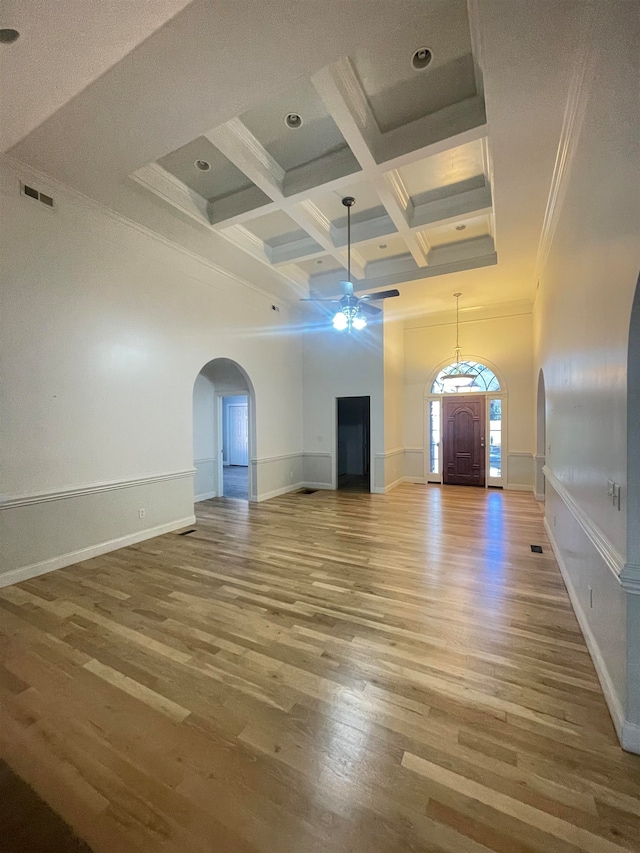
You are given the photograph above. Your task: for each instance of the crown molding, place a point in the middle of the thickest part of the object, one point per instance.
(585, 58)
(58, 188)
(630, 578)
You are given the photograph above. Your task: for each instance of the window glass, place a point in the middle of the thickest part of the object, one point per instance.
(484, 379)
(495, 438)
(434, 442)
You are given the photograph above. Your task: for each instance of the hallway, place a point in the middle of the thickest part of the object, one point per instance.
(323, 672)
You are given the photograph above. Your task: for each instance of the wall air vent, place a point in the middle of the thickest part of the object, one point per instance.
(25, 189)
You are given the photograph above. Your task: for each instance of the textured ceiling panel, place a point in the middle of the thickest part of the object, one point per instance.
(396, 92)
(222, 179)
(293, 147)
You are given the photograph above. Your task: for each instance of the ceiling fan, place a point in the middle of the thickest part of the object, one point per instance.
(353, 310)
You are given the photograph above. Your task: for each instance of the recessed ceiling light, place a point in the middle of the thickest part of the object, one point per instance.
(319, 261)
(421, 58)
(460, 227)
(382, 246)
(202, 165)
(293, 120)
(8, 36)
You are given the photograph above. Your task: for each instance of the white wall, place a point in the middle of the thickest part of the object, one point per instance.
(581, 334)
(338, 364)
(104, 331)
(499, 336)
(205, 462)
(393, 402)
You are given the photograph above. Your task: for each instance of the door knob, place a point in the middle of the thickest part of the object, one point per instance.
(481, 441)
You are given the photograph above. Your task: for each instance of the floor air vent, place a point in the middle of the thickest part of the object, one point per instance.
(307, 491)
(186, 532)
(537, 549)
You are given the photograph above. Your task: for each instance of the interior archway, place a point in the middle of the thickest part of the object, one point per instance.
(219, 380)
(541, 437)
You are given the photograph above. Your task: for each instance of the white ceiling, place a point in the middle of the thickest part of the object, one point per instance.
(214, 61)
(63, 47)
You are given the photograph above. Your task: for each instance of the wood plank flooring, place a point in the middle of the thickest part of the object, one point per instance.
(326, 672)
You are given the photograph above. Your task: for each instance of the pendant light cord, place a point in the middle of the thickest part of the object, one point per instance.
(349, 243)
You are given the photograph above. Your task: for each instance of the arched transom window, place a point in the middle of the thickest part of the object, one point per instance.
(484, 378)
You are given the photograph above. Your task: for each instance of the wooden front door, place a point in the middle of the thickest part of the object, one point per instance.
(463, 450)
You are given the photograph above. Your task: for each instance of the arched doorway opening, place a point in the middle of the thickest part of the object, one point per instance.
(224, 432)
(541, 437)
(630, 577)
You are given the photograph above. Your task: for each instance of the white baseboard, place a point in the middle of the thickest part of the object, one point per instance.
(613, 700)
(416, 481)
(631, 737)
(518, 487)
(326, 486)
(27, 572)
(394, 485)
(205, 496)
(283, 490)
(539, 497)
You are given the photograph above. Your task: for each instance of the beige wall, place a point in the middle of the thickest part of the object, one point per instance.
(499, 336)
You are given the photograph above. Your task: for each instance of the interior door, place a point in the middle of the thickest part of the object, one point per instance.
(464, 441)
(238, 435)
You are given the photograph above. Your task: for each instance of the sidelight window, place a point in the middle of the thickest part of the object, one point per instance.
(495, 438)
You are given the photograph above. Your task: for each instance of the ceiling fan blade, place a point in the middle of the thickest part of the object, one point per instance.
(347, 288)
(369, 309)
(383, 294)
(319, 299)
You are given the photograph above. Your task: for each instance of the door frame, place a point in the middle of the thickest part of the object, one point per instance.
(219, 395)
(489, 481)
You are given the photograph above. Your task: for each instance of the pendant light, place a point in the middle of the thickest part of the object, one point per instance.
(459, 378)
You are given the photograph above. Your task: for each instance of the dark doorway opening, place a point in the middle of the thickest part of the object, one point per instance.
(464, 441)
(354, 427)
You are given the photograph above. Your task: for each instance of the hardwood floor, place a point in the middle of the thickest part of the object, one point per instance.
(236, 482)
(324, 672)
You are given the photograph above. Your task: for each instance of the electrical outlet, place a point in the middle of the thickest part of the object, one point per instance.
(142, 512)
(610, 485)
(590, 597)
(616, 495)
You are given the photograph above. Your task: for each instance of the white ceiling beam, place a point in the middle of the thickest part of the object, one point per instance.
(395, 198)
(169, 188)
(248, 154)
(342, 94)
(344, 98)
(241, 147)
(371, 156)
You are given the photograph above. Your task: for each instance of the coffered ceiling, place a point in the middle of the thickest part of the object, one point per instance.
(451, 166)
(402, 131)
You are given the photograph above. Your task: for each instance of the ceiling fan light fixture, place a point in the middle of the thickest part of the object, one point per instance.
(340, 321)
(359, 321)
